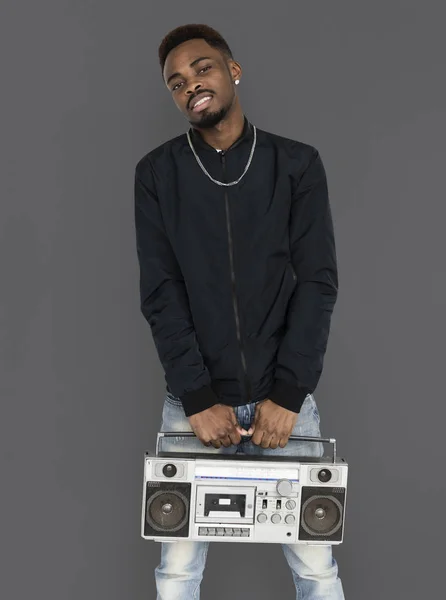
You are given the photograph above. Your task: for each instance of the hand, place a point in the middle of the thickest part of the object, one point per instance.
(272, 425)
(218, 426)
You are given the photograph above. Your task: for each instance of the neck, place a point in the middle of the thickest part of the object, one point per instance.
(225, 133)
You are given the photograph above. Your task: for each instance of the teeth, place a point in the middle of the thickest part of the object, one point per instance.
(201, 101)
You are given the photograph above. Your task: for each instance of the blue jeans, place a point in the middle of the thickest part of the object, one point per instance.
(180, 572)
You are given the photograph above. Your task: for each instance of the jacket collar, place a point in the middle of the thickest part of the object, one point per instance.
(198, 141)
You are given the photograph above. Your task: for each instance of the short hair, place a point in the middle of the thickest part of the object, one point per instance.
(185, 33)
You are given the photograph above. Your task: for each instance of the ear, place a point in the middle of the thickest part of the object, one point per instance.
(236, 70)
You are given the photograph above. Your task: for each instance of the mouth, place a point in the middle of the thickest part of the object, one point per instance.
(200, 103)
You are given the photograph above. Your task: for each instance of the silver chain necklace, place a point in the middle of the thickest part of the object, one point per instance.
(221, 182)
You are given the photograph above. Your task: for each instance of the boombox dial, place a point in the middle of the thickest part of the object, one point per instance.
(284, 487)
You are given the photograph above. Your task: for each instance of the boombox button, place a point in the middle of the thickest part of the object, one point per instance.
(290, 519)
(276, 518)
(291, 505)
(262, 518)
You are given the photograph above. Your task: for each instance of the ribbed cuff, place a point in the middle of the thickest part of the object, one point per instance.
(287, 395)
(199, 400)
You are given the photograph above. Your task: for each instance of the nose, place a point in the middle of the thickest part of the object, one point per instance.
(192, 91)
(193, 88)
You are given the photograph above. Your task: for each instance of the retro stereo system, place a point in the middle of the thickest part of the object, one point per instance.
(241, 498)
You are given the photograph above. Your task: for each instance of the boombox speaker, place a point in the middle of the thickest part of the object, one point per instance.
(240, 498)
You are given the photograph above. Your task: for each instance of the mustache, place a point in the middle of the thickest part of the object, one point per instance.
(200, 93)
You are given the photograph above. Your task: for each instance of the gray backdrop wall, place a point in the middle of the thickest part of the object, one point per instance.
(81, 387)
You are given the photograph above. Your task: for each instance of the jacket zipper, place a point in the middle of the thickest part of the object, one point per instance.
(234, 295)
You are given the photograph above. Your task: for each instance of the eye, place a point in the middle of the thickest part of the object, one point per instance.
(176, 86)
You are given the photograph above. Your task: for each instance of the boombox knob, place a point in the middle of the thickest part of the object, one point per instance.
(169, 470)
(324, 475)
(284, 487)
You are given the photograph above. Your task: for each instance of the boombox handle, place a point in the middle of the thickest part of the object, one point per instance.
(299, 438)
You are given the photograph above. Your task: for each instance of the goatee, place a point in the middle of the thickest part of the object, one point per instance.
(211, 119)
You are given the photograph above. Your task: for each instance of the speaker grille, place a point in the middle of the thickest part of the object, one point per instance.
(167, 509)
(322, 513)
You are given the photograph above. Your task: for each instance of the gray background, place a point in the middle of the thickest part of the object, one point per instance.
(81, 387)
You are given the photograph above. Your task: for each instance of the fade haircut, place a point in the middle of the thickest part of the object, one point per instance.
(184, 33)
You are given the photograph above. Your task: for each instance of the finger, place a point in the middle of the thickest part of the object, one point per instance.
(235, 437)
(226, 441)
(266, 440)
(251, 429)
(241, 430)
(216, 443)
(257, 437)
(237, 425)
(202, 438)
(274, 442)
(283, 441)
(255, 426)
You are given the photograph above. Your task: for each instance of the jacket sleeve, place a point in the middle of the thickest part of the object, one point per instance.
(313, 255)
(164, 301)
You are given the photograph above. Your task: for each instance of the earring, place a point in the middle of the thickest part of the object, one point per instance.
(237, 81)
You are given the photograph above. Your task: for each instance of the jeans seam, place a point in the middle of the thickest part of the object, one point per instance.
(173, 401)
(197, 587)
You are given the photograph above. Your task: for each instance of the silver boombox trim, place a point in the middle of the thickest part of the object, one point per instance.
(201, 496)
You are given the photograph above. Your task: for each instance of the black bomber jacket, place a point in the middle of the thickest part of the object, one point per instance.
(238, 283)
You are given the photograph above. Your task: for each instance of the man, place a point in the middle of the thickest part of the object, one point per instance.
(238, 282)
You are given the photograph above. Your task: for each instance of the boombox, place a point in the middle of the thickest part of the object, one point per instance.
(241, 498)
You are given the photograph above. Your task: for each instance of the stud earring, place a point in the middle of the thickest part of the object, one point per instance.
(237, 81)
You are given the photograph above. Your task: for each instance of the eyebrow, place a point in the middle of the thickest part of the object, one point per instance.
(192, 64)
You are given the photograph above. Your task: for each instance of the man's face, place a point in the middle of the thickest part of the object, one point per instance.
(195, 71)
